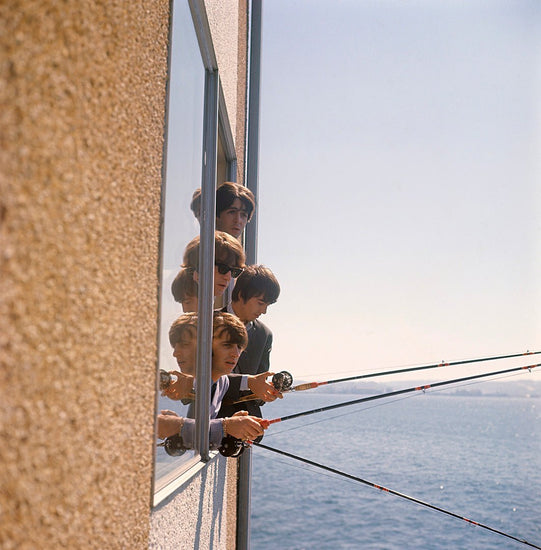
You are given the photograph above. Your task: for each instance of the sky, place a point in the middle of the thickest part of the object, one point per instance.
(400, 183)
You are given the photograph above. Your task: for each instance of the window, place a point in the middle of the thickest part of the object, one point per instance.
(196, 157)
(184, 138)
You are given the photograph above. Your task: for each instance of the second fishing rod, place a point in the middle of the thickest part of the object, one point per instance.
(283, 381)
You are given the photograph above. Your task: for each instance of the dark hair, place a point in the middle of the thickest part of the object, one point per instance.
(222, 322)
(227, 250)
(232, 326)
(183, 285)
(185, 324)
(227, 193)
(256, 280)
(195, 205)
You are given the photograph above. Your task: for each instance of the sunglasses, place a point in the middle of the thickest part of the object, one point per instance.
(223, 269)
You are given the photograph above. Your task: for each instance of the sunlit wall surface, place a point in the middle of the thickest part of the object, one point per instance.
(83, 103)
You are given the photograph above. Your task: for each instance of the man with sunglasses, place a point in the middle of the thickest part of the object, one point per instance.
(229, 264)
(229, 261)
(255, 289)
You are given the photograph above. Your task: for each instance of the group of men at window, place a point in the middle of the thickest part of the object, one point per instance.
(241, 343)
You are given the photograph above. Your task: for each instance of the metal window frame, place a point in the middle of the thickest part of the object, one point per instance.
(253, 110)
(215, 119)
(206, 264)
(244, 486)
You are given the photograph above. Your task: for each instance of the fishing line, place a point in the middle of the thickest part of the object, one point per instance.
(308, 468)
(283, 380)
(398, 494)
(342, 414)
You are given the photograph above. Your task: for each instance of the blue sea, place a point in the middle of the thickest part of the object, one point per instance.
(476, 456)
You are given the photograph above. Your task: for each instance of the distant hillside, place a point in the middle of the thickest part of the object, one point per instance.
(519, 388)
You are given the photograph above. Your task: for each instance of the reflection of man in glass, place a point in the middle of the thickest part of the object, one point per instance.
(183, 339)
(235, 205)
(229, 340)
(184, 290)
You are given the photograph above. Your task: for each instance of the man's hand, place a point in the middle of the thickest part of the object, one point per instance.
(169, 423)
(261, 388)
(181, 389)
(243, 426)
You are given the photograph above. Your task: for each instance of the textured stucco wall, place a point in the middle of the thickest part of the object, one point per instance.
(202, 515)
(82, 110)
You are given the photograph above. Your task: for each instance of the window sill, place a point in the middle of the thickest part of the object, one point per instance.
(174, 481)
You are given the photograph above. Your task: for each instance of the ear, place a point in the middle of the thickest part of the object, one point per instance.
(196, 276)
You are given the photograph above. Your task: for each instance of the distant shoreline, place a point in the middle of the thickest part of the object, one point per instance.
(495, 388)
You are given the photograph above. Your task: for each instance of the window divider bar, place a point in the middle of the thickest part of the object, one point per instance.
(252, 145)
(206, 263)
(204, 36)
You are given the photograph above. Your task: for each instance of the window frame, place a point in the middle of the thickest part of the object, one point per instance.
(216, 126)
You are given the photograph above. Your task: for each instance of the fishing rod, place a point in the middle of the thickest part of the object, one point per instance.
(400, 392)
(283, 381)
(398, 494)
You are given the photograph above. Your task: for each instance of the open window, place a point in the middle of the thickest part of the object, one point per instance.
(199, 154)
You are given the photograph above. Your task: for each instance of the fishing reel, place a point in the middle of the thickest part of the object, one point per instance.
(169, 378)
(173, 445)
(232, 447)
(166, 379)
(282, 381)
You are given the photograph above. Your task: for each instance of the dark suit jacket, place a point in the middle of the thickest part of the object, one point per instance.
(255, 359)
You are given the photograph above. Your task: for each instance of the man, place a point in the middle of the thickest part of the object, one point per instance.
(235, 205)
(228, 342)
(255, 289)
(229, 261)
(184, 290)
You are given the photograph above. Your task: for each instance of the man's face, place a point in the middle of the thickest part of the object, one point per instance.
(221, 282)
(224, 355)
(251, 309)
(185, 352)
(233, 220)
(189, 304)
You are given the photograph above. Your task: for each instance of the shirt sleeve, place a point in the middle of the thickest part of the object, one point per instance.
(216, 433)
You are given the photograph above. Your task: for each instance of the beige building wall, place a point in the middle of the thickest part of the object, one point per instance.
(82, 111)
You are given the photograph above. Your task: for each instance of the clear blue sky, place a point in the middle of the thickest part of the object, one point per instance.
(400, 181)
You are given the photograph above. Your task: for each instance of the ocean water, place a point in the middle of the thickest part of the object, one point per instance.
(476, 456)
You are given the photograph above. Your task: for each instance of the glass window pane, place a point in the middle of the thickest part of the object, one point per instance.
(183, 176)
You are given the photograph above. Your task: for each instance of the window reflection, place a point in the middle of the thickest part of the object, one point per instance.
(183, 175)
